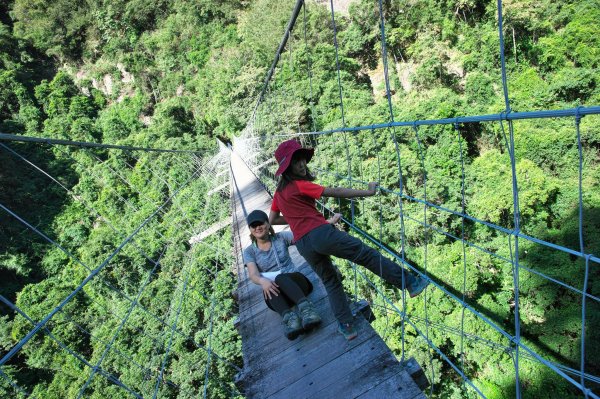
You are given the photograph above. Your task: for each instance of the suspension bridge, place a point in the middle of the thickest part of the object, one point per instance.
(144, 346)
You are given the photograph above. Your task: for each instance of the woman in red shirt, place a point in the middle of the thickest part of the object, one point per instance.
(294, 203)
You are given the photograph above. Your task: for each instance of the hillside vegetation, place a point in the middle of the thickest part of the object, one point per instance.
(181, 74)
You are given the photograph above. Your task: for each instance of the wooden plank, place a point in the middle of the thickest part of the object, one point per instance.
(397, 386)
(355, 363)
(210, 231)
(414, 370)
(265, 332)
(282, 369)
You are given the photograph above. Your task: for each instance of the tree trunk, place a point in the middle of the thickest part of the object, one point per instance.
(514, 43)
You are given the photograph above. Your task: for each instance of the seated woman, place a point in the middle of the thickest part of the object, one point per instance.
(270, 266)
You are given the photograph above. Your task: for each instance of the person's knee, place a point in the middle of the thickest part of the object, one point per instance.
(364, 253)
(279, 278)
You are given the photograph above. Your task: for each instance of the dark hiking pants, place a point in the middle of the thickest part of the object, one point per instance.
(293, 287)
(317, 246)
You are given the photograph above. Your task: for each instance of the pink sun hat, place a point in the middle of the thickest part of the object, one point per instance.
(285, 151)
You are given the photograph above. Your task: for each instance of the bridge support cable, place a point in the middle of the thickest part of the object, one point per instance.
(279, 51)
(196, 166)
(463, 210)
(98, 214)
(110, 345)
(516, 207)
(92, 274)
(384, 57)
(121, 198)
(187, 220)
(533, 355)
(453, 221)
(172, 329)
(309, 71)
(147, 372)
(380, 242)
(209, 352)
(492, 344)
(29, 139)
(493, 226)
(14, 385)
(424, 335)
(45, 329)
(582, 376)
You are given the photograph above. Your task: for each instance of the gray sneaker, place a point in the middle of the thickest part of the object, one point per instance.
(292, 325)
(310, 317)
(347, 330)
(418, 286)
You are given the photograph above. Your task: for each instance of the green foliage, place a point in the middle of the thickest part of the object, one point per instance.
(479, 90)
(18, 112)
(195, 69)
(574, 84)
(480, 46)
(56, 28)
(253, 23)
(577, 43)
(16, 262)
(121, 120)
(56, 96)
(530, 89)
(172, 119)
(13, 94)
(70, 115)
(493, 201)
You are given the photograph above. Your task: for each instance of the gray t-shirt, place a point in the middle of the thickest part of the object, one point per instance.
(275, 258)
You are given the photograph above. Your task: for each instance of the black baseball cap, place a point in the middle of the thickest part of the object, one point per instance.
(257, 216)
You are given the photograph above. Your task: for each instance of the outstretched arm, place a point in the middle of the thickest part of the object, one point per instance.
(276, 218)
(342, 192)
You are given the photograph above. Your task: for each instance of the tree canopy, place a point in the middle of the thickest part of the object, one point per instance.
(181, 74)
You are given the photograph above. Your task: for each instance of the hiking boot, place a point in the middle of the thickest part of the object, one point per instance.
(418, 286)
(292, 325)
(347, 330)
(310, 317)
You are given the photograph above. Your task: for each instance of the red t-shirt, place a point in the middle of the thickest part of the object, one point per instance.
(297, 204)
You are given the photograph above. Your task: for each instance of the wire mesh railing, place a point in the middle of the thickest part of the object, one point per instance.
(116, 303)
(465, 201)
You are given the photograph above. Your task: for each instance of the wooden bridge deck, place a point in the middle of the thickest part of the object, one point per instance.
(321, 364)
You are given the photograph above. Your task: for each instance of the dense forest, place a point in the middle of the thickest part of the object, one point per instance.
(181, 74)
